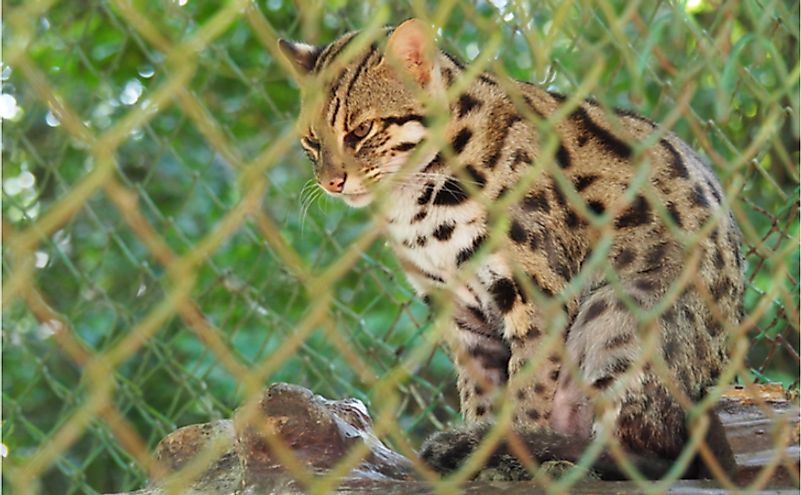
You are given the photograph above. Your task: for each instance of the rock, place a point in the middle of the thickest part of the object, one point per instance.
(244, 455)
(319, 433)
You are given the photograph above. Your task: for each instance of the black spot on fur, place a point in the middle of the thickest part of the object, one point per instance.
(444, 231)
(534, 109)
(714, 190)
(619, 340)
(596, 207)
(421, 241)
(698, 197)
(534, 241)
(536, 201)
(656, 255)
(521, 156)
(669, 316)
(606, 139)
(404, 146)
(517, 233)
(718, 260)
(688, 314)
(419, 215)
(645, 284)
(558, 195)
(539, 388)
(487, 80)
(721, 288)
(713, 326)
(554, 375)
(596, 309)
(477, 177)
(433, 278)
(468, 252)
(475, 311)
(435, 164)
(582, 182)
(481, 330)
(623, 112)
(481, 410)
(563, 157)
(502, 192)
(734, 244)
(533, 332)
(624, 258)
(603, 383)
(674, 214)
(448, 77)
(451, 193)
(492, 358)
(676, 162)
(504, 293)
(461, 140)
(639, 213)
(572, 219)
(427, 193)
(533, 414)
(455, 61)
(492, 158)
(466, 104)
(620, 366)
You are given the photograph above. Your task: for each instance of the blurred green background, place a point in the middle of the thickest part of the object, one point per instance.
(98, 275)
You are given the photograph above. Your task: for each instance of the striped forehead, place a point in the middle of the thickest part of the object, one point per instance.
(345, 78)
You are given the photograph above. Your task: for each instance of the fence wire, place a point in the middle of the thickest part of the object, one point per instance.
(164, 256)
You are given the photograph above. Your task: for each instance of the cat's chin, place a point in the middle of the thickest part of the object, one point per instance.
(357, 200)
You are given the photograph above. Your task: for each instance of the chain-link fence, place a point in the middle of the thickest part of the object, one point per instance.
(166, 254)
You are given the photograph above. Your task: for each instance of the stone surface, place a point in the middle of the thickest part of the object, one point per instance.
(247, 454)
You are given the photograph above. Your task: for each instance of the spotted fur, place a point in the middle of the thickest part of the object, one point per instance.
(511, 296)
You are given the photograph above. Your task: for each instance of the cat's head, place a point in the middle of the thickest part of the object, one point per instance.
(363, 106)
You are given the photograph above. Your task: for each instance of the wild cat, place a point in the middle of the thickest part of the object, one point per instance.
(593, 365)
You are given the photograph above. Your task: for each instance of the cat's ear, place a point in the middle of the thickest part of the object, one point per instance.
(300, 55)
(412, 46)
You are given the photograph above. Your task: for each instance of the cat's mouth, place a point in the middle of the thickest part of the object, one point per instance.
(357, 200)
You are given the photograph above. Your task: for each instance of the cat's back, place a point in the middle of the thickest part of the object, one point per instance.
(658, 193)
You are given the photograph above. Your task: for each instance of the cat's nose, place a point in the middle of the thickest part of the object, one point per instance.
(336, 184)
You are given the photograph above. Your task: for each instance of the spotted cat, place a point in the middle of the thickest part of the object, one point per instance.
(544, 314)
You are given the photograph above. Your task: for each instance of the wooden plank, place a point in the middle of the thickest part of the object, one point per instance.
(762, 429)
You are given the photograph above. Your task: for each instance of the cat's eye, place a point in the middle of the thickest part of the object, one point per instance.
(363, 129)
(359, 133)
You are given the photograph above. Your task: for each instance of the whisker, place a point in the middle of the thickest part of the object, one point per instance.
(311, 197)
(308, 187)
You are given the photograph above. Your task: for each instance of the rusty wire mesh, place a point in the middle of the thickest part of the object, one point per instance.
(160, 266)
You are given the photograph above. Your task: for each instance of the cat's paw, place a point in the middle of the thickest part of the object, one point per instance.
(505, 468)
(447, 450)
